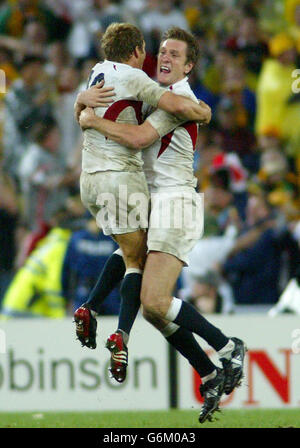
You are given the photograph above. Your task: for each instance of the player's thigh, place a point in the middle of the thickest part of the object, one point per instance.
(87, 193)
(119, 201)
(160, 275)
(176, 223)
(134, 248)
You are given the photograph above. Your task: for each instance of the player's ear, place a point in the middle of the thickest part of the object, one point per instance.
(135, 52)
(188, 68)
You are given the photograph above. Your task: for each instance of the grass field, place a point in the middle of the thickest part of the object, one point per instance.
(156, 419)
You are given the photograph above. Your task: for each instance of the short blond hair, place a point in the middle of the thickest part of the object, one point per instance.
(120, 40)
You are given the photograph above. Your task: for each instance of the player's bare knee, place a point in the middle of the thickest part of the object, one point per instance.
(154, 320)
(134, 258)
(134, 262)
(152, 309)
(148, 315)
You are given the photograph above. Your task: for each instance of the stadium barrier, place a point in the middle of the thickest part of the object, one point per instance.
(43, 368)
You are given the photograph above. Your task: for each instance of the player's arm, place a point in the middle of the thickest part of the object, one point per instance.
(78, 108)
(129, 135)
(95, 96)
(185, 108)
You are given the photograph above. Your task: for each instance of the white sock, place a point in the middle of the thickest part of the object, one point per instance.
(174, 309)
(211, 376)
(226, 351)
(94, 313)
(133, 271)
(119, 252)
(169, 329)
(125, 336)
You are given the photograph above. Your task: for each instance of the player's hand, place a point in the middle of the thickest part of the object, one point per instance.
(86, 118)
(97, 96)
(206, 113)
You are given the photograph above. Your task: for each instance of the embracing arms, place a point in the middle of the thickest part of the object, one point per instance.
(129, 135)
(184, 108)
(95, 96)
(181, 108)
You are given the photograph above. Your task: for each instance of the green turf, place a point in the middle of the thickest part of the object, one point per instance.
(156, 419)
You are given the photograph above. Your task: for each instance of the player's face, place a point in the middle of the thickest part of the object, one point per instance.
(171, 62)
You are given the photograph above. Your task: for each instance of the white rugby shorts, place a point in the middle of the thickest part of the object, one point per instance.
(118, 200)
(176, 221)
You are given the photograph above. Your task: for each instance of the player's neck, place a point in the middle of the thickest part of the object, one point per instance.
(174, 82)
(133, 62)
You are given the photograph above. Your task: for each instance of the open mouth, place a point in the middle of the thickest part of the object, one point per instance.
(164, 69)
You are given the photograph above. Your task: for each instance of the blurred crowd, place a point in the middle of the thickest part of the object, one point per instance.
(247, 160)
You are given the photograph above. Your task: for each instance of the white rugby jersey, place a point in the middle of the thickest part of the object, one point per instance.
(132, 87)
(169, 161)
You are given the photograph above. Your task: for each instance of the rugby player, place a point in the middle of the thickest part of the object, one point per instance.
(109, 167)
(168, 165)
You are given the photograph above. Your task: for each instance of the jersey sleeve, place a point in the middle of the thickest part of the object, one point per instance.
(144, 88)
(163, 122)
(147, 110)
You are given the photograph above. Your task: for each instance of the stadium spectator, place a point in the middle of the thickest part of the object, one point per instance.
(14, 16)
(275, 81)
(57, 58)
(84, 25)
(26, 103)
(112, 11)
(36, 289)
(8, 223)
(41, 175)
(136, 7)
(158, 17)
(210, 252)
(206, 296)
(68, 80)
(87, 252)
(235, 88)
(61, 270)
(228, 173)
(292, 15)
(249, 44)
(253, 269)
(213, 73)
(32, 43)
(234, 134)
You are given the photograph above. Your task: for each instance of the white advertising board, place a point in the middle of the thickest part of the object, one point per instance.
(43, 367)
(272, 369)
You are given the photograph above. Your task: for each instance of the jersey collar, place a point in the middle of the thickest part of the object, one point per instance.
(178, 83)
(122, 64)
